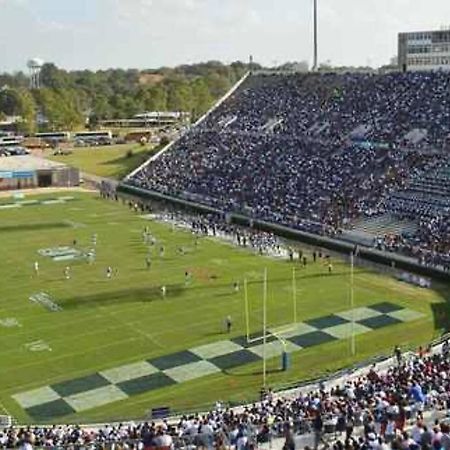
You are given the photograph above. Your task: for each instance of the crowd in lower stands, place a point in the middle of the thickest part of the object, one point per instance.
(430, 244)
(371, 411)
(314, 152)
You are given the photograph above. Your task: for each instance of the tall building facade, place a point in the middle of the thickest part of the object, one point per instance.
(424, 50)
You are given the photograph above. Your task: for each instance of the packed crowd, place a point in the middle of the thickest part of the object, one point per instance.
(381, 402)
(430, 245)
(312, 152)
(278, 179)
(380, 108)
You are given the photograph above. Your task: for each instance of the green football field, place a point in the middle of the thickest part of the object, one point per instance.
(91, 348)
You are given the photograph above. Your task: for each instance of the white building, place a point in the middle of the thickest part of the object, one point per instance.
(424, 50)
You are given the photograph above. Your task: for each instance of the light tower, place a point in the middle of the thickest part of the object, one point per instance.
(315, 64)
(34, 66)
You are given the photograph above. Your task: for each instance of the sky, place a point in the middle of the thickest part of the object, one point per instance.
(98, 34)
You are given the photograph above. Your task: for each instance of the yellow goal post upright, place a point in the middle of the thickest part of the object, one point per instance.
(275, 334)
(294, 324)
(287, 327)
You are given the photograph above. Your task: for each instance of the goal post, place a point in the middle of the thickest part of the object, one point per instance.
(284, 328)
(277, 334)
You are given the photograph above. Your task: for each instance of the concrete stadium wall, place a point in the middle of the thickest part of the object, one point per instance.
(59, 177)
(336, 245)
(66, 177)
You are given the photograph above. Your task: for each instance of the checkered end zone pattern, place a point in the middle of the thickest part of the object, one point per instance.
(119, 383)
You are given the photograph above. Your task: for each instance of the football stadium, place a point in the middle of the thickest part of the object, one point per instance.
(274, 275)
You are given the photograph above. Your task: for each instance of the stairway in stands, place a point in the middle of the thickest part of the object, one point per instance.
(385, 224)
(427, 195)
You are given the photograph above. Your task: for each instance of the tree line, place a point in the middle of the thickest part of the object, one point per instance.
(68, 98)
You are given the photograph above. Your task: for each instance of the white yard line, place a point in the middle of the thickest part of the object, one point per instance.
(54, 341)
(44, 381)
(112, 315)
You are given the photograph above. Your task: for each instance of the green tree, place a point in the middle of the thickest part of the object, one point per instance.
(60, 108)
(19, 102)
(218, 84)
(67, 97)
(10, 102)
(54, 78)
(158, 96)
(28, 112)
(179, 96)
(202, 98)
(101, 107)
(124, 106)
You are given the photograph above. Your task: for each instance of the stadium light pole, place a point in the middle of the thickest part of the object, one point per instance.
(315, 39)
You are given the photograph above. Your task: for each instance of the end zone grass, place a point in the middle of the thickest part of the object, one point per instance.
(105, 323)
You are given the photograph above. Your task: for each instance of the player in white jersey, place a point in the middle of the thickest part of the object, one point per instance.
(67, 273)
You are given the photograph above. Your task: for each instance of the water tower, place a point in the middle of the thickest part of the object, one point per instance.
(34, 66)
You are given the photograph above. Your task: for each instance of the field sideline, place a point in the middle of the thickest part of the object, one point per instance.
(105, 323)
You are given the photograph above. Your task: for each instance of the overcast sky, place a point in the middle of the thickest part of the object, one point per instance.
(77, 34)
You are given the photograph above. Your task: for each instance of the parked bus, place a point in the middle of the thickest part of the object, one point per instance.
(93, 138)
(10, 140)
(93, 134)
(54, 137)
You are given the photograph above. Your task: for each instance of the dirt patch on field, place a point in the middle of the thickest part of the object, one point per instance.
(204, 274)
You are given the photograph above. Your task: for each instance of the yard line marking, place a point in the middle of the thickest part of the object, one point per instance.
(62, 339)
(111, 314)
(94, 349)
(2, 407)
(67, 355)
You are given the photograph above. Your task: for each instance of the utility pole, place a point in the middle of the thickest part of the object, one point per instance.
(315, 64)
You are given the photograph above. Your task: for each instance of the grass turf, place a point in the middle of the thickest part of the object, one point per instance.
(110, 161)
(106, 323)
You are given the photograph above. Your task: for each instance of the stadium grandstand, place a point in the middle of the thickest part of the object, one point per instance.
(320, 152)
